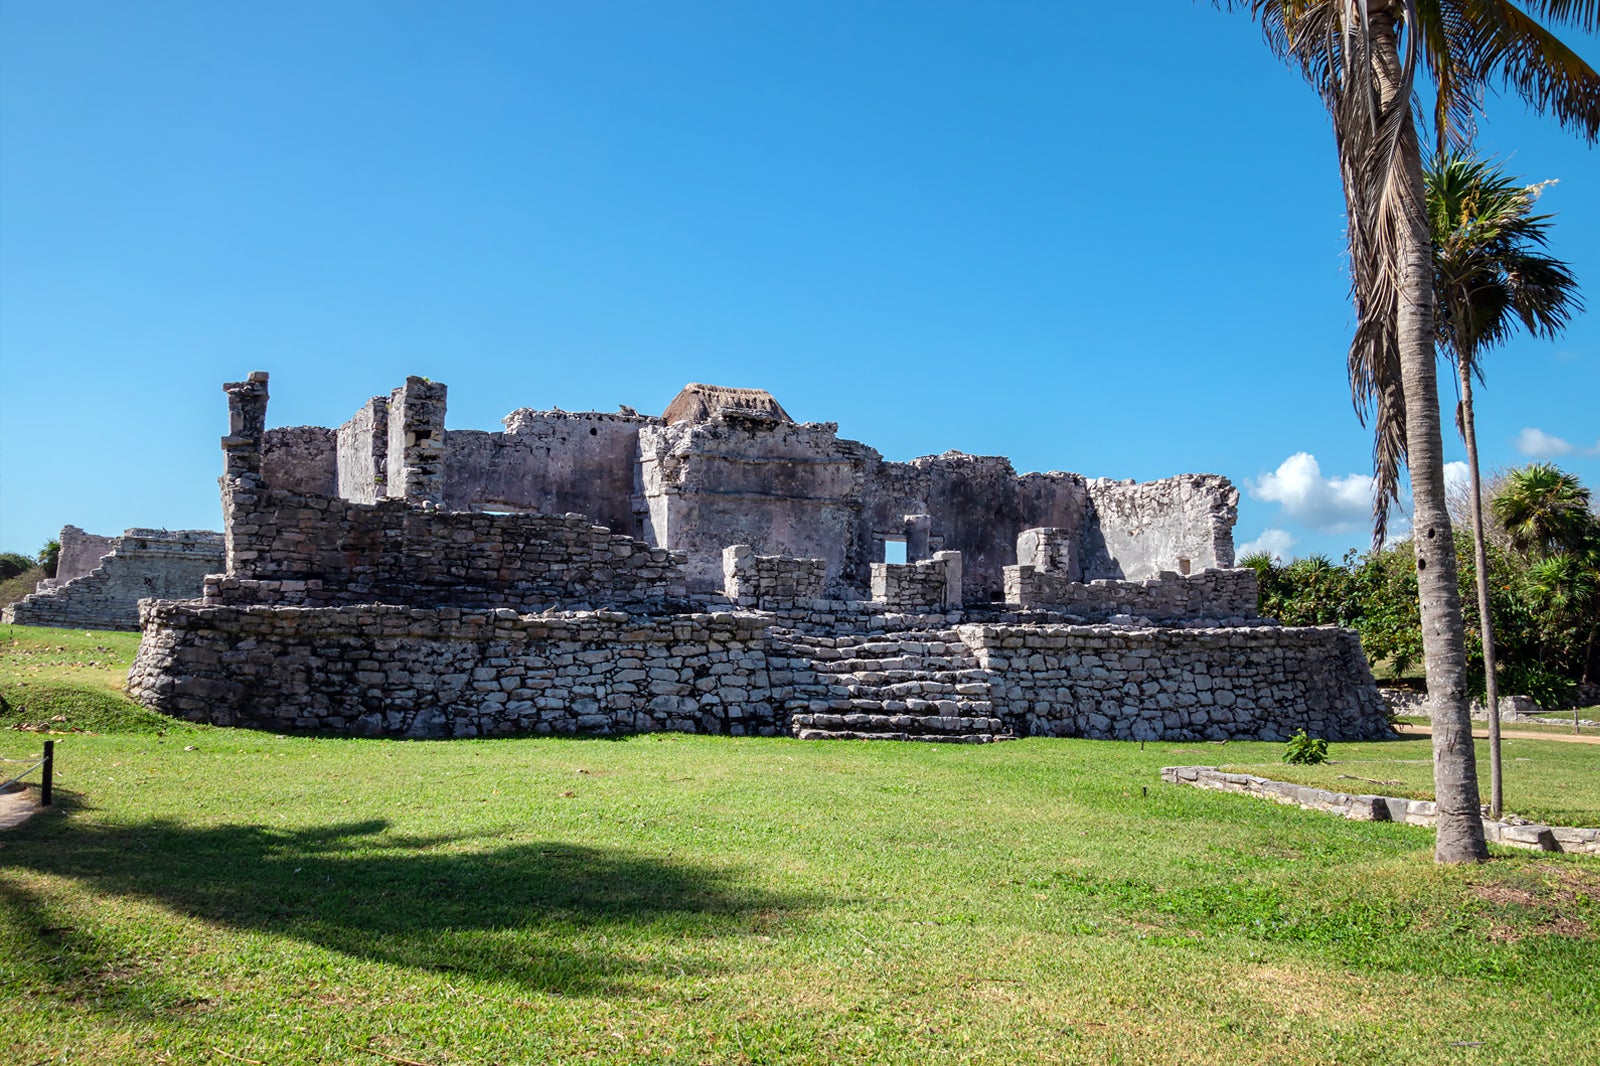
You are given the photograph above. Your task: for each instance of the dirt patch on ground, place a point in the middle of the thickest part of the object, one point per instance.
(1505, 734)
(17, 805)
(1555, 900)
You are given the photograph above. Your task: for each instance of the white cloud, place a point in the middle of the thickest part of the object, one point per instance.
(1326, 504)
(1275, 542)
(1457, 477)
(1535, 443)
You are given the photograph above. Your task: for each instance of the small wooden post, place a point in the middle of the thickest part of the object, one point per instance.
(49, 773)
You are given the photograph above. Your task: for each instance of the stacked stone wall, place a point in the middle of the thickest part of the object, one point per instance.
(394, 671)
(772, 582)
(320, 551)
(143, 563)
(1180, 684)
(1211, 596)
(929, 584)
(363, 453)
(80, 553)
(302, 459)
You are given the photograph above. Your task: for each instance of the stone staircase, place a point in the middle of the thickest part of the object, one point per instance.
(908, 685)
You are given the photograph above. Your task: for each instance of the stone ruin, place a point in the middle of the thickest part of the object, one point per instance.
(100, 580)
(719, 569)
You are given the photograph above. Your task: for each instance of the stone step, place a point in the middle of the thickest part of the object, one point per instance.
(900, 664)
(865, 705)
(899, 723)
(924, 738)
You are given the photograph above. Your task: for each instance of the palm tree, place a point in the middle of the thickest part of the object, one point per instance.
(1544, 509)
(1362, 57)
(1489, 275)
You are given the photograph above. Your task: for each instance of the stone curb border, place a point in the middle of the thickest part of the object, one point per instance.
(1382, 809)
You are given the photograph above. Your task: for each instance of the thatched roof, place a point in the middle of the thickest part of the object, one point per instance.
(699, 403)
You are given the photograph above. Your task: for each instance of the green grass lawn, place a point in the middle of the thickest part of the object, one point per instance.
(214, 896)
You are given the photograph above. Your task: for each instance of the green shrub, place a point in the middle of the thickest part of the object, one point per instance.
(1304, 750)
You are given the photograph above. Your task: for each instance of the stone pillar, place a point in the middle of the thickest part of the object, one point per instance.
(738, 565)
(241, 466)
(919, 531)
(416, 442)
(1050, 551)
(247, 425)
(952, 577)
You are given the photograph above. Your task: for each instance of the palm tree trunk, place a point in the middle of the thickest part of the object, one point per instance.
(1480, 557)
(1455, 776)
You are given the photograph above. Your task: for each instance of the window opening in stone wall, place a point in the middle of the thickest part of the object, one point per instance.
(1183, 567)
(894, 549)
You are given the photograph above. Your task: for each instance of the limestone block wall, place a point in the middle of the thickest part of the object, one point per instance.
(301, 459)
(1213, 595)
(929, 584)
(80, 553)
(782, 488)
(772, 582)
(142, 563)
(321, 551)
(1137, 530)
(394, 671)
(1258, 683)
(363, 453)
(552, 462)
(416, 441)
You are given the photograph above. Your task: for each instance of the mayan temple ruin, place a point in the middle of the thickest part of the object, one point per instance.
(718, 569)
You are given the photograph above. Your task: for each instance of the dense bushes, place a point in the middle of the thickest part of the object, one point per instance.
(1544, 601)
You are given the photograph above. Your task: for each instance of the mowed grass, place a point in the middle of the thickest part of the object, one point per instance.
(211, 896)
(1543, 780)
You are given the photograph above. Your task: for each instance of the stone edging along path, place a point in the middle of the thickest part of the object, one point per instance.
(1382, 809)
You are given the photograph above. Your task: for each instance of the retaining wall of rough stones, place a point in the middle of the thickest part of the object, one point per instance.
(320, 551)
(1212, 595)
(142, 562)
(80, 553)
(1258, 683)
(396, 671)
(1369, 808)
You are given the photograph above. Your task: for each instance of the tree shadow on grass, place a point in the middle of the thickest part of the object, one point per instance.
(546, 916)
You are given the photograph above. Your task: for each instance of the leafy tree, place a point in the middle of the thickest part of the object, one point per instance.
(1362, 56)
(12, 564)
(1490, 274)
(49, 556)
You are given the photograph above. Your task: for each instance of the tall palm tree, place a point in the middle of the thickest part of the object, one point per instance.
(1362, 56)
(1544, 509)
(1490, 274)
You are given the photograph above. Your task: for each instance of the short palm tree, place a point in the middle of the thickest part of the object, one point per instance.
(1544, 509)
(1490, 275)
(1363, 57)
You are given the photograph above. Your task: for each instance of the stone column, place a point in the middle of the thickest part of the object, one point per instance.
(1050, 551)
(241, 467)
(738, 566)
(952, 577)
(416, 442)
(919, 531)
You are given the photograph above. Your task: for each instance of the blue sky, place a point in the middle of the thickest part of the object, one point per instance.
(1110, 245)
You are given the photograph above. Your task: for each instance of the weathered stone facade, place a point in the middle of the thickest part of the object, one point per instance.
(104, 592)
(744, 593)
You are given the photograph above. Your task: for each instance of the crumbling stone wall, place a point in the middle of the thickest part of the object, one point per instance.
(772, 582)
(1123, 683)
(320, 551)
(784, 489)
(1181, 523)
(80, 553)
(927, 584)
(303, 459)
(363, 453)
(142, 562)
(392, 671)
(1217, 596)
(552, 462)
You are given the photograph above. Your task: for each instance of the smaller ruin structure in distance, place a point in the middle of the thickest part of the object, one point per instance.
(718, 569)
